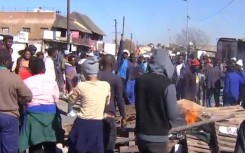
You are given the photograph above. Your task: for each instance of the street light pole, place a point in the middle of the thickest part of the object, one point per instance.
(131, 44)
(169, 36)
(68, 26)
(187, 29)
(123, 28)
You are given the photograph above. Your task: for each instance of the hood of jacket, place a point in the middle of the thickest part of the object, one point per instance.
(160, 63)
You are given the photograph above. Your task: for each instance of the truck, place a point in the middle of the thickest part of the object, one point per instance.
(228, 48)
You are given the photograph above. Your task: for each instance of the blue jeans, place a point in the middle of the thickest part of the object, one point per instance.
(9, 133)
(130, 91)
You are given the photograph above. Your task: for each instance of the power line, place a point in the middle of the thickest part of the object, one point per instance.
(219, 11)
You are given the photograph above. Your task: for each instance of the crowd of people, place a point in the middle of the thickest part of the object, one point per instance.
(32, 86)
(201, 79)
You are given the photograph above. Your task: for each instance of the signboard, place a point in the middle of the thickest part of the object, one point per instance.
(51, 35)
(109, 48)
(200, 52)
(73, 48)
(23, 37)
(75, 34)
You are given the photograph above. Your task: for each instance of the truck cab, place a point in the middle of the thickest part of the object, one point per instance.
(228, 48)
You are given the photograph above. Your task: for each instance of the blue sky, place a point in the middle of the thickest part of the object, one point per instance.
(149, 20)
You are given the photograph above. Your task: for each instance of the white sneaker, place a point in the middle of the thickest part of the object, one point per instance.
(72, 114)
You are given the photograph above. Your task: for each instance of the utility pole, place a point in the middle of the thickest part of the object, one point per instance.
(68, 26)
(122, 35)
(116, 36)
(169, 36)
(131, 40)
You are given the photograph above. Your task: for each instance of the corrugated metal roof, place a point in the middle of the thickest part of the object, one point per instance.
(61, 22)
(209, 48)
(87, 22)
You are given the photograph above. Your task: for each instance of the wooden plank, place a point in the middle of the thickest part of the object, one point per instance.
(128, 149)
(227, 144)
(190, 149)
(226, 149)
(226, 138)
(197, 143)
(227, 124)
(221, 135)
(212, 120)
(131, 135)
(223, 108)
(193, 137)
(124, 140)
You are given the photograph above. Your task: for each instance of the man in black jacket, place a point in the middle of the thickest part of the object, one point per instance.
(110, 130)
(155, 103)
(240, 142)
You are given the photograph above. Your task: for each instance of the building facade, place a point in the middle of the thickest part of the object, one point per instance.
(47, 28)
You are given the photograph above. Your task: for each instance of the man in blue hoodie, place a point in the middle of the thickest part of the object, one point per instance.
(233, 83)
(124, 72)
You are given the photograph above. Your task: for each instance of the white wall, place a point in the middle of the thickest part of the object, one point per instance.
(109, 48)
(16, 48)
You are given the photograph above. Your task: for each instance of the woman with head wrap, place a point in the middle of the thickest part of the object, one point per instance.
(87, 132)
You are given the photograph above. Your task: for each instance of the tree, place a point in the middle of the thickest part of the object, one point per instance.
(159, 45)
(150, 44)
(198, 38)
(127, 43)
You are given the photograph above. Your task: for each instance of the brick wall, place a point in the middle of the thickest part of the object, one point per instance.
(36, 21)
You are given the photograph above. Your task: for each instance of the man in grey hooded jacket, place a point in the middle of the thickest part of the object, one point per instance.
(155, 103)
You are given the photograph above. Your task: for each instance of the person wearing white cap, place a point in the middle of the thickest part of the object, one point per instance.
(233, 58)
(233, 83)
(126, 51)
(239, 64)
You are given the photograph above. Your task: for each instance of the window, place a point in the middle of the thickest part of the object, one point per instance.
(26, 29)
(43, 28)
(5, 29)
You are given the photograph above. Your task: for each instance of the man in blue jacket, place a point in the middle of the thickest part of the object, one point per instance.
(125, 71)
(233, 84)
